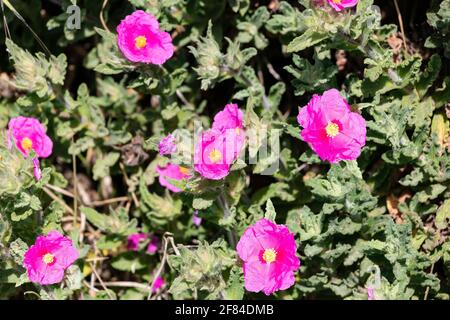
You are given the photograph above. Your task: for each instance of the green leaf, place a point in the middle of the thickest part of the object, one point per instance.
(161, 209)
(203, 202)
(17, 248)
(74, 278)
(23, 278)
(305, 223)
(129, 261)
(429, 76)
(37, 73)
(5, 230)
(270, 211)
(110, 242)
(102, 166)
(235, 287)
(117, 222)
(97, 219)
(309, 38)
(443, 215)
(240, 6)
(315, 77)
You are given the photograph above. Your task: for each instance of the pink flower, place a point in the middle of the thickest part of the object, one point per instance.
(159, 282)
(49, 257)
(268, 251)
(331, 129)
(229, 118)
(167, 145)
(196, 220)
(153, 245)
(29, 134)
(135, 239)
(37, 169)
(141, 40)
(339, 5)
(220, 146)
(212, 158)
(230, 121)
(174, 172)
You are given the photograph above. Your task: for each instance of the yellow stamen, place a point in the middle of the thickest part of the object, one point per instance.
(215, 156)
(140, 42)
(269, 255)
(337, 1)
(238, 131)
(184, 170)
(332, 129)
(48, 258)
(27, 144)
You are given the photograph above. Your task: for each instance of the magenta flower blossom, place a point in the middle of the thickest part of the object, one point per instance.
(135, 239)
(167, 145)
(196, 220)
(229, 118)
(37, 169)
(153, 245)
(332, 130)
(220, 146)
(268, 251)
(339, 5)
(174, 172)
(230, 122)
(49, 257)
(214, 154)
(29, 135)
(159, 282)
(141, 40)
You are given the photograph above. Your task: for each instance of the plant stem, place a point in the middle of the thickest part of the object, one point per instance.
(75, 187)
(55, 197)
(101, 281)
(102, 19)
(428, 288)
(226, 213)
(160, 269)
(400, 22)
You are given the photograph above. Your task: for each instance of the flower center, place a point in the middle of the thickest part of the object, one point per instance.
(332, 129)
(238, 131)
(184, 170)
(27, 144)
(215, 156)
(140, 42)
(269, 255)
(48, 258)
(337, 1)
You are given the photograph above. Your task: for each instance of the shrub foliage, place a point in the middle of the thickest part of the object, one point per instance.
(386, 213)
